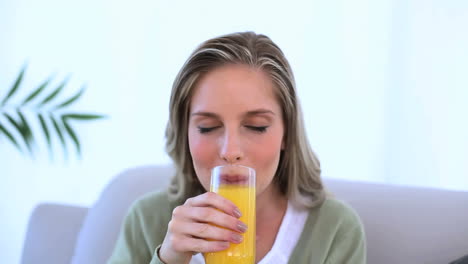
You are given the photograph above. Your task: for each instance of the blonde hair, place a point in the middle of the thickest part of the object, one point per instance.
(298, 173)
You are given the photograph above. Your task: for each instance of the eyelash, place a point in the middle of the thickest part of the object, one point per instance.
(258, 129)
(204, 130)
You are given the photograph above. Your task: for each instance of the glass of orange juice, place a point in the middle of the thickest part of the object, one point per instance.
(237, 184)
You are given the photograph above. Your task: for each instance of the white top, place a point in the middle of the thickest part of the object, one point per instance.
(286, 239)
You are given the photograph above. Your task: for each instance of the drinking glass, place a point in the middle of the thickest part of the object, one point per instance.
(237, 184)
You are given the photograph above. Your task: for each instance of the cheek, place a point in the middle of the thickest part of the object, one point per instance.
(266, 158)
(201, 150)
(202, 153)
(268, 155)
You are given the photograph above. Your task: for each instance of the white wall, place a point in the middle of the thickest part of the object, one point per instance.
(426, 111)
(383, 86)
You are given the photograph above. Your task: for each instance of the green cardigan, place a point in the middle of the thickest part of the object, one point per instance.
(333, 234)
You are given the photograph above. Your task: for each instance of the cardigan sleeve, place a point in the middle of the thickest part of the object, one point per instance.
(142, 232)
(349, 248)
(130, 246)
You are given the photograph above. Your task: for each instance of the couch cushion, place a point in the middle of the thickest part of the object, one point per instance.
(52, 233)
(408, 224)
(102, 224)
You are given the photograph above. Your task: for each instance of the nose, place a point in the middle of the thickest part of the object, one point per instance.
(231, 149)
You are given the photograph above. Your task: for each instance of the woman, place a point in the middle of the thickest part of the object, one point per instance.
(234, 102)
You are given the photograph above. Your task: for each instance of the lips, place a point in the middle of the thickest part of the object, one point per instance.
(238, 179)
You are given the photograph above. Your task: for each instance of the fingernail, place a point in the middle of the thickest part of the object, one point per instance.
(237, 213)
(236, 238)
(224, 245)
(242, 227)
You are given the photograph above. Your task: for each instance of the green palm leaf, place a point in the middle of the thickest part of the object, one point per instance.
(46, 131)
(83, 116)
(21, 130)
(26, 127)
(36, 92)
(10, 137)
(52, 121)
(15, 86)
(72, 99)
(55, 92)
(73, 135)
(58, 129)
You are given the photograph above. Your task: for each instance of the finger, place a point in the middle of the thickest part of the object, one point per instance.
(214, 200)
(216, 217)
(191, 244)
(210, 232)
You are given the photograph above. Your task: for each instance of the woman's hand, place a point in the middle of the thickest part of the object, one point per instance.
(205, 223)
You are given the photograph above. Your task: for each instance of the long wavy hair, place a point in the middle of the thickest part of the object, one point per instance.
(298, 173)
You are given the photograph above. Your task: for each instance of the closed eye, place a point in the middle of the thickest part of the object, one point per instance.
(204, 130)
(260, 129)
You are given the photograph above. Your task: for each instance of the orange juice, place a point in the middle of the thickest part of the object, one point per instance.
(244, 253)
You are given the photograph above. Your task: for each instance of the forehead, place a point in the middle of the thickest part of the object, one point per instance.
(234, 88)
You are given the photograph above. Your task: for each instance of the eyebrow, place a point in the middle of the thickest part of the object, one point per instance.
(249, 113)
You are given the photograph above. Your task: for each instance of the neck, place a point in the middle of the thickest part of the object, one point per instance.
(271, 204)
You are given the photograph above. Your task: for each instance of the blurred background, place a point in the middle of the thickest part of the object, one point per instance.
(384, 88)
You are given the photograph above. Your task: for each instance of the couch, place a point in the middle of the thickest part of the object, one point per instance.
(402, 224)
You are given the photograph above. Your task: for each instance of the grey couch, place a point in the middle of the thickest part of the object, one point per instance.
(403, 224)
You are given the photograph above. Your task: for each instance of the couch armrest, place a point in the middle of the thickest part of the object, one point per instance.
(52, 233)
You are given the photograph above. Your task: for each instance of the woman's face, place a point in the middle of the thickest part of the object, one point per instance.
(235, 119)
